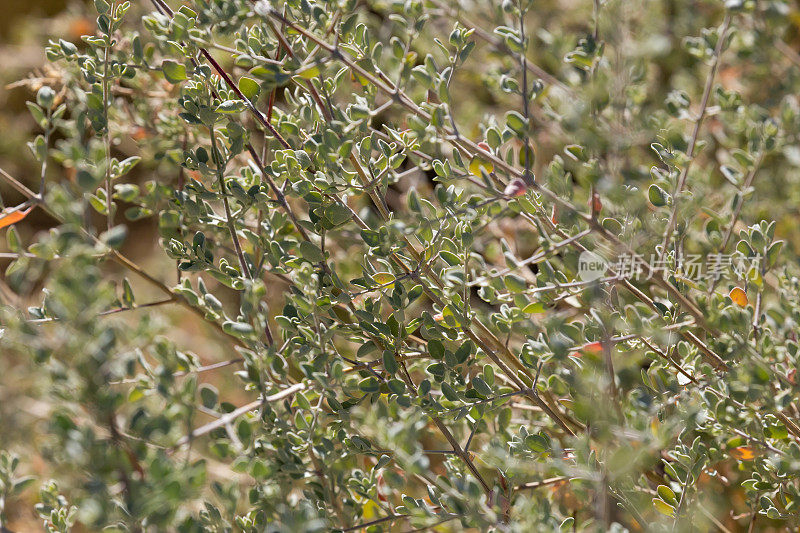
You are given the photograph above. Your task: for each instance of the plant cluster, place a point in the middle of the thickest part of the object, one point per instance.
(368, 307)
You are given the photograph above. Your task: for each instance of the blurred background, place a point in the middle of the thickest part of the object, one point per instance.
(25, 404)
(24, 28)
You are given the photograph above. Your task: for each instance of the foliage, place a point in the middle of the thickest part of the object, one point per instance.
(382, 211)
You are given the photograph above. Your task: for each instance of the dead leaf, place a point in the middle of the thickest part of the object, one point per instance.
(743, 453)
(592, 347)
(14, 216)
(738, 296)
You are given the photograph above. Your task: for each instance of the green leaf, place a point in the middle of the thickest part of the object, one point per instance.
(249, 87)
(383, 460)
(238, 329)
(515, 283)
(174, 72)
(311, 252)
(516, 122)
(208, 396)
(449, 392)
(229, 107)
(450, 258)
(773, 253)
(12, 237)
(464, 351)
(21, 484)
(115, 236)
(657, 196)
(369, 385)
(42, 251)
(127, 293)
(384, 279)
(301, 401)
(37, 113)
(125, 166)
(534, 308)
(745, 249)
(481, 387)
(337, 214)
(537, 443)
(743, 158)
(667, 495)
(390, 362)
(396, 386)
(244, 431)
(127, 192)
(436, 348)
(451, 316)
(663, 507)
(421, 75)
(69, 49)
(309, 72)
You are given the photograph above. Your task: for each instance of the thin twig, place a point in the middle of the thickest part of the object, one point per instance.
(220, 169)
(233, 415)
(690, 150)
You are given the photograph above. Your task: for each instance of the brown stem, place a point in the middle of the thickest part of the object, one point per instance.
(220, 168)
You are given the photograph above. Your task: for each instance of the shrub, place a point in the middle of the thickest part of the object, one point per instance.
(513, 266)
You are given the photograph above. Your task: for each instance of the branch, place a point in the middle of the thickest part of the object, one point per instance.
(233, 415)
(122, 260)
(695, 133)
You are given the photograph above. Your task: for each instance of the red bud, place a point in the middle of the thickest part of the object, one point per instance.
(595, 203)
(515, 188)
